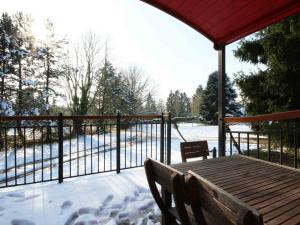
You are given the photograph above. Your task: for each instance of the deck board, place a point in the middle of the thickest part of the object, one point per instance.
(274, 190)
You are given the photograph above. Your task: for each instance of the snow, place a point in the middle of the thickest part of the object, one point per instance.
(96, 199)
(28, 82)
(6, 108)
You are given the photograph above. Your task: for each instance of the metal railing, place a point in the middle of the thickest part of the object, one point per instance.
(278, 143)
(45, 148)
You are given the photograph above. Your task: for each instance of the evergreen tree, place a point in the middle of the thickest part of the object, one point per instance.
(7, 47)
(161, 108)
(275, 88)
(150, 106)
(178, 104)
(49, 54)
(209, 105)
(196, 101)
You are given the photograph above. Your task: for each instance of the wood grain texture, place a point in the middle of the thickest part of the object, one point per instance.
(272, 189)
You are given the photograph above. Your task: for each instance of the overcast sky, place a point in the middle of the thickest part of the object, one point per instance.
(174, 55)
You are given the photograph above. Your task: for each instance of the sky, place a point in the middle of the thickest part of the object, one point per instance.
(168, 51)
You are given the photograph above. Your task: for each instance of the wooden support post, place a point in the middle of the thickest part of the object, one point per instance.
(221, 100)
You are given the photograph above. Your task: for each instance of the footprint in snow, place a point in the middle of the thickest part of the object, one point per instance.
(107, 200)
(1, 209)
(22, 222)
(16, 195)
(27, 198)
(65, 206)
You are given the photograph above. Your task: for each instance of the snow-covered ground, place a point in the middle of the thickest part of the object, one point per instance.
(104, 199)
(96, 199)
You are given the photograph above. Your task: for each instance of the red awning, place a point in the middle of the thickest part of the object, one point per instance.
(225, 21)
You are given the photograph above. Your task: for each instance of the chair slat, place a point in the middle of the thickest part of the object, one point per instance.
(172, 181)
(193, 149)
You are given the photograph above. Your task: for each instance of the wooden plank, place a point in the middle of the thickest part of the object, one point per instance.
(273, 190)
(284, 201)
(282, 215)
(273, 198)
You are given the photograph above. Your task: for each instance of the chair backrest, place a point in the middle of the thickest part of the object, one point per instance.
(212, 205)
(170, 180)
(193, 149)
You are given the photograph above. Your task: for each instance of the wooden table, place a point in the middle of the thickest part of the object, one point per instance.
(272, 189)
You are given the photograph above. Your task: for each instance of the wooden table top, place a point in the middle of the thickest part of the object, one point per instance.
(272, 189)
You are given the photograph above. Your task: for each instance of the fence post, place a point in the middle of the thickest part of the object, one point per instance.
(60, 148)
(118, 142)
(169, 139)
(162, 139)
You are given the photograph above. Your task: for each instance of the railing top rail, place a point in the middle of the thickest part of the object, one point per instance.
(289, 115)
(79, 117)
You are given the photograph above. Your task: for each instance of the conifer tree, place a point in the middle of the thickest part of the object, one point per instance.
(209, 105)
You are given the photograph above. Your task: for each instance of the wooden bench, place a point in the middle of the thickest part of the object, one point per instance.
(193, 149)
(214, 206)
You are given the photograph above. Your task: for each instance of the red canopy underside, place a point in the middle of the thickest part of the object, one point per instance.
(225, 21)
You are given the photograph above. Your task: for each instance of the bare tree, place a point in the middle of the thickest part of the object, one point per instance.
(81, 68)
(139, 84)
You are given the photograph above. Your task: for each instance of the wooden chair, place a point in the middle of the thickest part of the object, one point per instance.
(193, 149)
(213, 206)
(173, 182)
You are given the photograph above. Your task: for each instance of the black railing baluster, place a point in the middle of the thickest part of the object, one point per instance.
(130, 145)
(110, 146)
(70, 150)
(258, 154)
(230, 141)
(60, 124)
(141, 125)
(50, 136)
(269, 147)
(15, 154)
(295, 148)
(151, 127)
(239, 141)
(6, 162)
(136, 143)
(125, 136)
(118, 152)
(42, 139)
(98, 147)
(24, 161)
(146, 139)
(104, 144)
(162, 139)
(84, 147)
(169, 139)
(156, 141)
(33, 161)
(77, 145)
(91, 130)
(281, 147)
(248, 150)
